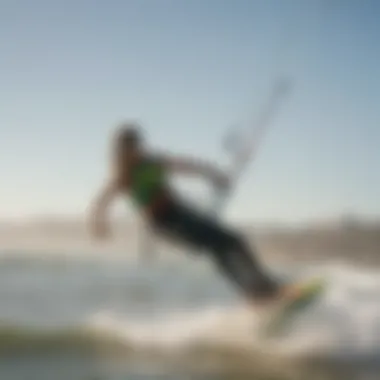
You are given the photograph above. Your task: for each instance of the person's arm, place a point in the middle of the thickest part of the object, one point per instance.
(99, 209)
(192, 166)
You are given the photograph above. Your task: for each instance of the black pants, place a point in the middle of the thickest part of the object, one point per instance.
(227, 248)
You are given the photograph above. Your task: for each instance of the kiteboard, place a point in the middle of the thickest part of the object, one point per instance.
(281, 316)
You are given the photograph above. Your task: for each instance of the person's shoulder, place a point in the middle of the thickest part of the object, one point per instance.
(154, 157)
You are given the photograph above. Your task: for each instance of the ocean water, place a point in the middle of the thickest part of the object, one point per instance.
(81, 318)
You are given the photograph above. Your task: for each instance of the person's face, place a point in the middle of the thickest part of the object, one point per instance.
(131, 150)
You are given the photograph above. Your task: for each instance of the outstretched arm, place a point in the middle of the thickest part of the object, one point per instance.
(191, 166)
(99, 209)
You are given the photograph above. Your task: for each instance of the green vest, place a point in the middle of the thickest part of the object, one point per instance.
(147, 179)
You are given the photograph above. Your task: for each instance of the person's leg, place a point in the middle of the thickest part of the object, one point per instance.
(238, 261)
(228, 250)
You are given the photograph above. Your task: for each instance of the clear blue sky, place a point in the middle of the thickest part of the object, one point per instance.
(69, 70)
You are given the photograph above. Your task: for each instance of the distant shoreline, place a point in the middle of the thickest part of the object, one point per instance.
(356, 241)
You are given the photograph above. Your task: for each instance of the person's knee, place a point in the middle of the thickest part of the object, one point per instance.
(237, 241)
(230, 249)
(225, 242)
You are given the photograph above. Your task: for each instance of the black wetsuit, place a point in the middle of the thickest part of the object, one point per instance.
(227, 248)
(176, 219)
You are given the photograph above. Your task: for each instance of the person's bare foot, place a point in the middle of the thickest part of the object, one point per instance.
(264, 301)
(286, 292)
(290, 291)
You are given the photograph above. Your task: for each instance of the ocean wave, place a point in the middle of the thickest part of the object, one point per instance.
(345, 323)
(199, 356)
(14, 339)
